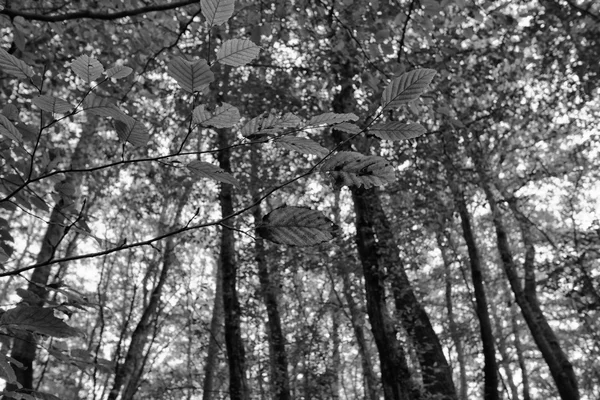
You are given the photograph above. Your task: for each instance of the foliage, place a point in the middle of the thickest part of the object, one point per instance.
(106, 153)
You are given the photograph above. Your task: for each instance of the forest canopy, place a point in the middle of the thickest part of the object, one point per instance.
(304, 199)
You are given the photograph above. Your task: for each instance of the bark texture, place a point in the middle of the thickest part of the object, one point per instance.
(395, 375)
(490, 367)
(24, 344)
(238, 385)
(216, 329)
(130, 371)
(437, 374)
(560, 367)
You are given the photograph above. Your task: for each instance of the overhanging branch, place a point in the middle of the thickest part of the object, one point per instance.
(95, 15)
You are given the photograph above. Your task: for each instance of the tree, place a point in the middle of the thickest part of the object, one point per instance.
(151, 150)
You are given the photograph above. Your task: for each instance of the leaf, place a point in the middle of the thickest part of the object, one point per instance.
(52, 104)
(349, 168)
(132, 131)
(3, 256)
(270, 124)
(192, 76)
(9, 372)
(397, 130)
(206, 170)
(217, 12)
(224, 116)
(17, 395)
(29, 296)
(13, 66)
(102, 106)
(348, 128)
(118, 72)
(296, 226)
(330, 118)
(87, 68)
(407, 87)
(37, 319)
(11, 112)
(302, 145)
(237, 52)
(35, 395)
(9, 130)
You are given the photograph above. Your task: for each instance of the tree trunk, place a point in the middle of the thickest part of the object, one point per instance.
(128, 374)
(503, 350)
(543, 335)
(395, 375)
(215, 333)
(356, 318)
(361, 341)
(454, 333)
(24, 344)
(437, 374)
(280, 381)
(238, 386)
(520, 354)
(490, 367)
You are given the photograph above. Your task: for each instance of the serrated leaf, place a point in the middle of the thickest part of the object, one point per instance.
(192, 76)
(9, 130)
(206, 170)
(406, 88)
(9, 372)
(200, 114)
(11, 112)
(35, 395)
(348, 128)
(17, 395)
(13, 66)
(87, 68)
(118, 72)
(296, 226)
(397, 131)
(104, 107)
(3, 256)
(349, 168)
(132, 131)
(37, 319)
(270, 124)
(65, 188)
(52, 104)
(224, 116)
(29, 296)
(217, 12)
(330, 118)
(302, 145)
(237, 52)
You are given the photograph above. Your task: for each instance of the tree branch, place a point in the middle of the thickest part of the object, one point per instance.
(87, 14)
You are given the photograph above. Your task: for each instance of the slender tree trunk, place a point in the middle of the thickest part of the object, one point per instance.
(503, 350)
(437, 374)
(215, 333)
(490, 367)
(395, 375)
(357, 320)
(336, 358)
(280, 381)
(132, 368)
(560, 367)
(361, 341)
(378, 250)
(520, 354)
(454, 333)
(24, 344)
(238, 386)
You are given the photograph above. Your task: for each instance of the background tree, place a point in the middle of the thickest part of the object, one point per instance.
(116, 107)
